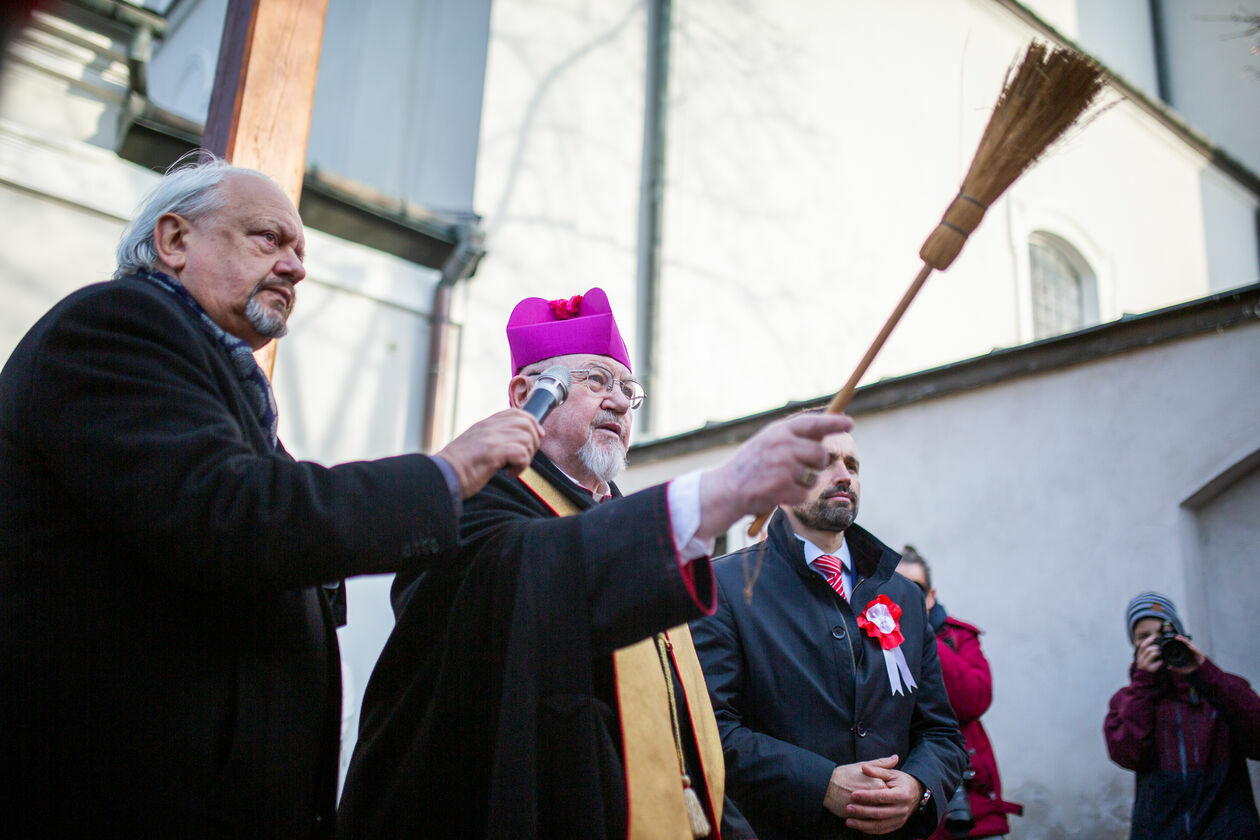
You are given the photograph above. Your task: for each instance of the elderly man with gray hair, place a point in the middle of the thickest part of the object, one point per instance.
(171, 665)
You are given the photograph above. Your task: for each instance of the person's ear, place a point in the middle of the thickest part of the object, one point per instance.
(518, 390)
(170, 239)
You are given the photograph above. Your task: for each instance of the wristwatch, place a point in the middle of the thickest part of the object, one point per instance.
(923, 803)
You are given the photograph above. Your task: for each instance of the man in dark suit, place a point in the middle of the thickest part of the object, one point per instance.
(170, 665)
(826, 686)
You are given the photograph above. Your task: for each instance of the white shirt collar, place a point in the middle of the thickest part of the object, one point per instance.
(601, 492)
(813, 552)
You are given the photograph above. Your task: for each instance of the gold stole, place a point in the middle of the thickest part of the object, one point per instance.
(654, 787)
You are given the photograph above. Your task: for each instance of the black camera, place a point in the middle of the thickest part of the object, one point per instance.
(1174, 652)
(958, 818)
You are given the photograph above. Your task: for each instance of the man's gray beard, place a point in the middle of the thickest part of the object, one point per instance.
(266, 321)
(826, 517)
(604, 462)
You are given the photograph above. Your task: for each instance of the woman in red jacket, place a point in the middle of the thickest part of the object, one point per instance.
(970, 688)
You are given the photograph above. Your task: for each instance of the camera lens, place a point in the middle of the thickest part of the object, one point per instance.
(1175, 653)
(958, 818)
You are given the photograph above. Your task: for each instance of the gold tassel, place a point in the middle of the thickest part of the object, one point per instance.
(695, 811)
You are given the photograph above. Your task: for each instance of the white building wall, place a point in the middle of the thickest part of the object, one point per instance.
(1232, 244)
(811, 147)
(557, 177)
(63, 79)
(798, 187)
(1044, 504)
(1213, 73)
(62, 198)
(1117, 32)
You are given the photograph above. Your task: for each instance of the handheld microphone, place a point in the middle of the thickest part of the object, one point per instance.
(551, 389)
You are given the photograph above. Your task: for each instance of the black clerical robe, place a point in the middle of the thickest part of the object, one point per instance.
(492, 712)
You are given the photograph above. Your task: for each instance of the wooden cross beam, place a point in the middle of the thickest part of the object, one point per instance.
(264, 91)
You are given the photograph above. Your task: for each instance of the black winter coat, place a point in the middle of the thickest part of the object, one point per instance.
(798, 688)
(170, 665)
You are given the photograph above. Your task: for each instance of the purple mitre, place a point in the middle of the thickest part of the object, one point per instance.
(539, 329)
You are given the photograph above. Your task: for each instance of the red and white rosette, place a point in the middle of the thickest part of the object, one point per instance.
(879, 620)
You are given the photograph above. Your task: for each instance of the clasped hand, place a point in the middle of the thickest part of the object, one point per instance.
(873, 797)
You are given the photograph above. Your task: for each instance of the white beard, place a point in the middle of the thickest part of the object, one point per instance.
(266, 321)
(605, 462)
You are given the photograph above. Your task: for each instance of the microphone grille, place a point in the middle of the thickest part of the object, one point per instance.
(560, 374)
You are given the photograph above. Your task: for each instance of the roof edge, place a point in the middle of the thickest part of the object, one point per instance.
(1161, 111)
(1216, 312)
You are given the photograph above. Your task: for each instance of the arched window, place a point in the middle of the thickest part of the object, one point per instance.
(1063, 288)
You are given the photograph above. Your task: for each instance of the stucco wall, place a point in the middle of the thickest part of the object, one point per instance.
(1212, 73)
(1043, 505)
(557, 176)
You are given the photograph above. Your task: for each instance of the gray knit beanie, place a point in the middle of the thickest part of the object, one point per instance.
(1152, 605)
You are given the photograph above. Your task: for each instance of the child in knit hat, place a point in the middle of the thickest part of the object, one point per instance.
(1186, 728)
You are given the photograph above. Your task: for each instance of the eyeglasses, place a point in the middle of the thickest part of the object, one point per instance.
(601, 381)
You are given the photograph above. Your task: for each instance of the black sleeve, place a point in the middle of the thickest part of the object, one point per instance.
(734, 826)
(938, 753)
(135, 425)
(619, 557)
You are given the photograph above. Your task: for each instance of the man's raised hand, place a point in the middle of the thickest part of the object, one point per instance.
(506, 439)
(776, 466)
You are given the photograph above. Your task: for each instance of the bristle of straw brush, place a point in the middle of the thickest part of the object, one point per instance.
(1041, 98)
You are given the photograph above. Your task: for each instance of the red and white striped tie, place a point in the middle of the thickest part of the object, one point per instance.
(831, 566)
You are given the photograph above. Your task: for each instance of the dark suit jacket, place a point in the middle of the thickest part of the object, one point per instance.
(170, 664)
(798, 688)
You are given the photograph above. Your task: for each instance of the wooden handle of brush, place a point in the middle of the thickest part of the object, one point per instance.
(842, 399)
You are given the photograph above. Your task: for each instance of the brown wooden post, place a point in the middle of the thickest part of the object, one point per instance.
(264, 91)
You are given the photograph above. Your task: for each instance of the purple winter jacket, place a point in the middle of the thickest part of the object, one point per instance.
(1187, 738)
